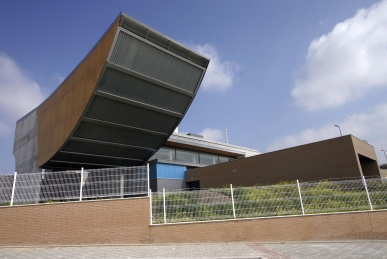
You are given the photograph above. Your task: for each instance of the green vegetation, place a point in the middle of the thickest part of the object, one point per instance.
(262, 201)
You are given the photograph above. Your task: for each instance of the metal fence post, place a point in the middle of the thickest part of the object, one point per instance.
(299, 192)
(147, 171)
(165, 212)
(13, 189)
(150, 205)
(368, 195)
(232, 201)
(80, 191)
(122, 184)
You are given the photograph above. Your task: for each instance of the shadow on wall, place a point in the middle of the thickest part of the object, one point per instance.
(369, 166)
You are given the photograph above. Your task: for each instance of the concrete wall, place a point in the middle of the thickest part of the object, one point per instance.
(25, 147)
(126, 221)
(332, 158)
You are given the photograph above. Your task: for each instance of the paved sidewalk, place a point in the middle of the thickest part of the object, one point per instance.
(366, 249)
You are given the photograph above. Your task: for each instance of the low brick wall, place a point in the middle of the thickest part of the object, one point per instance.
(126, 221)
(91, 222)
(324, 227)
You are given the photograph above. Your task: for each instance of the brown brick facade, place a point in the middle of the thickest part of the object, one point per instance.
(126, 221)
(91, 222)
(325, 227)
(343, 157)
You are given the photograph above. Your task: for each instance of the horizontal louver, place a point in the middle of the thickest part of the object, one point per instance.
(140, 57)
(105, 150)
(154, 37)
(129, 115)
(129, 87)
(87, 130)
(93, 159)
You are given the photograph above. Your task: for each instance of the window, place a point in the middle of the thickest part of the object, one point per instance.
(173, 154)
(223, 159)
(187, 156)
(165, 153)
(208, 159)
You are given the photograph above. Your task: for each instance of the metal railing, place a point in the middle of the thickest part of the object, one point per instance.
(43, 187)
(265, 201)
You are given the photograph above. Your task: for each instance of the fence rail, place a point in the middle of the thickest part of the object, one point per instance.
(264, 201)
(81, 184)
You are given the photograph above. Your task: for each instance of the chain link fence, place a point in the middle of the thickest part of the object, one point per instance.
(264, 201)
(46, 187)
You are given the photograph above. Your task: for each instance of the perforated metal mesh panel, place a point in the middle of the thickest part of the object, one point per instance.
(105, 150)
(140, 57)
(132, 88)
(158, 39)
(75, 166)
(134, 27)
(121, 113)
(144, 32)
(93, 159)
(94, 131)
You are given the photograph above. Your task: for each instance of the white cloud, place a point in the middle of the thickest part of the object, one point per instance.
(58, 77)
(345, 64)
(219, 74)
(213, 134)
(369, 126)
(19, 94)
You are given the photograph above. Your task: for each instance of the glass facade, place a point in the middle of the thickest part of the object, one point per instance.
(223, 159)
(209, 159)
(165, 153)
(187, 156)
(176, 154)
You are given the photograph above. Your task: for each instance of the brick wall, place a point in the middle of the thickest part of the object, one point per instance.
(332, 158)
(126, 221)
(89, 222)
(327, 227)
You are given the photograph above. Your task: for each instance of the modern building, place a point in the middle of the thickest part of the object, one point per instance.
(182, 152)
(345, 157)
(117, 107)
(121, 105)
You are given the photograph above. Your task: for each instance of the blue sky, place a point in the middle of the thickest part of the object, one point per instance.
(282, 73)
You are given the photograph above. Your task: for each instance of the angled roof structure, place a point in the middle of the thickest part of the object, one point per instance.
(119, 105)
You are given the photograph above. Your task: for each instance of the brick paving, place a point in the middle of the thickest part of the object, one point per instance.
(342, 250)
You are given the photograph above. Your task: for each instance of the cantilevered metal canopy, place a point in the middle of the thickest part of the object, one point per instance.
(122, 102)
